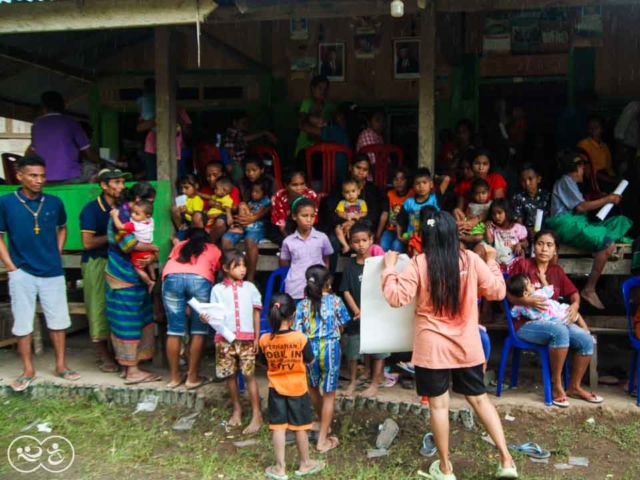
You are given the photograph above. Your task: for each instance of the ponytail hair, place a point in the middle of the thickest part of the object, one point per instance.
(317, 277)
(281, 307)
(196, 244)
(440, 245)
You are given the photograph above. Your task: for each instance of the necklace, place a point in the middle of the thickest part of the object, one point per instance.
(36, 226)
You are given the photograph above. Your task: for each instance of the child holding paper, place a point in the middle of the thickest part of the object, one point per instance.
(186, 205)
(243, 302)
(569, 220)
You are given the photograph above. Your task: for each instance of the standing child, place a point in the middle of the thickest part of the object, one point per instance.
(361, 241)
(141, 225)
(255, 231)
(320, 317)
(287, 352)
(391, 205)
(373, 134)
(220, 202)
(409, 215)
(506, 236)
(532, 198)
(183, 215)
(478, 209)
(350, 209)
(243, 303)
(305, 247)
(295, 185)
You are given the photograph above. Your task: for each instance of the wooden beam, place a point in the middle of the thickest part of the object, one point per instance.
(426, 101)
(26, 112)
(39, 61)
(495, 5)
(101, 14)
(165, 63)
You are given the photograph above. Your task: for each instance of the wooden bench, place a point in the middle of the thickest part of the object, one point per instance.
(579, 262)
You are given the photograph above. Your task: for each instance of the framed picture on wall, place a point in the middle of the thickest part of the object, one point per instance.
(299, 29)
(331, 60)
(406, 58)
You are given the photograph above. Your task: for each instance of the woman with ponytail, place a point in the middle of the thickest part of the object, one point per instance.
(189, 273)
(447, 283)
(321, 316)
(287, 352)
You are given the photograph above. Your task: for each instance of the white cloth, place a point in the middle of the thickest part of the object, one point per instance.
(240, 299)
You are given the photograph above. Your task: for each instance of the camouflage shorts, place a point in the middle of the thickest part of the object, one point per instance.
(230, 355)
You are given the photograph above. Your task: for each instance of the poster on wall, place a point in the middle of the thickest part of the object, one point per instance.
(303, 64)
(299, 29)
(587, 30)
(554, 24)
(526, 34)
(406, 52)
(496, 36)
(331, 60)
(365, 45)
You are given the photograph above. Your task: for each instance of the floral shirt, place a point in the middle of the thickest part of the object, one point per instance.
(333, 315)
(280, 207)
(525, 207)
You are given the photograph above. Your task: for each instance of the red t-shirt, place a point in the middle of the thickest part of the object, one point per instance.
(495, 181)
(235, 194)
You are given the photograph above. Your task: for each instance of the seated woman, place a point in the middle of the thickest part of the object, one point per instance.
(569, 220)
(559, 336)
(599, 155)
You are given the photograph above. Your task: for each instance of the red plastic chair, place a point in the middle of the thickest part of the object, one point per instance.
(266, 152)
(9, 164)
(383, 163)
(203, 154)
(328, 151)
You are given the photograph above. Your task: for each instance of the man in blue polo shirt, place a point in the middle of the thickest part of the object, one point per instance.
(36, 225)
(94, 219)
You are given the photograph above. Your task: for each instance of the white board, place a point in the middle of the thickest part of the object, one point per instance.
(382, 327)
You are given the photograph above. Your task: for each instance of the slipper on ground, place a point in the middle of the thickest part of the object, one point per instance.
(269, 473)
(317, 469)
(561, 402)
(22, 386)
(334, 442)
(589, 397)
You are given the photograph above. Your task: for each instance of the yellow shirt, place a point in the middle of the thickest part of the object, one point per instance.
(599, 155)
(226, 202)
(194, 204)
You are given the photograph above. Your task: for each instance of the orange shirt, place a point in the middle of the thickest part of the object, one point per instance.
(287, 353)
(392, 204)
(445, 342)
(599, 155)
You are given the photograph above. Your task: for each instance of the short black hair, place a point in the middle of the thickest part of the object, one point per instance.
(361, 226)
(253, 159)
(216, 163)
(224, 181)
(569, 161)
(361, 157)
(232, 257)
(289, 174)
(189, 179)
(516, 284)
(422, 172)
(528, 166)
(317, 80)
(52, 101)
(145, 205)
(479, 183)
(30, 161)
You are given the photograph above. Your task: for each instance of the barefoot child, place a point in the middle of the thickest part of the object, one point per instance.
(141, 225)
(361, 241)
(520, 286)
(287, 353)
(350, 209)
(320, 316)
(243, 302)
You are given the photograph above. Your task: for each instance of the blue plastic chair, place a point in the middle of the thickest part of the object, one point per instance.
(278, 275)
(513, 342)
(634, 371)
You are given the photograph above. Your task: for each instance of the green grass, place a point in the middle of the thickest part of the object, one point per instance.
(112, 443)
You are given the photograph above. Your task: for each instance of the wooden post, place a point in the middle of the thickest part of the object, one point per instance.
(166, 107)
(426, 103)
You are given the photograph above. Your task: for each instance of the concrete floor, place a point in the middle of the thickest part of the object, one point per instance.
(81, 358)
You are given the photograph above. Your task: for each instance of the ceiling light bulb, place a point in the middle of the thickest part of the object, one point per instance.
(397, 8)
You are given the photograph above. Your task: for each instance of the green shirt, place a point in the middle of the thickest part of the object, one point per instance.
(303, 140)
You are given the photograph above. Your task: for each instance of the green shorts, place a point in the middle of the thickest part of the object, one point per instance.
(351, 348)
(95, 298)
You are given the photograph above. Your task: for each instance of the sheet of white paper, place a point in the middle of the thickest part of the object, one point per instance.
(383, 328)
(217, 315)
(604, 211)
(181, 201)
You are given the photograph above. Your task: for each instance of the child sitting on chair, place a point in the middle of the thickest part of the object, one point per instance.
(520, 286)
(220, 202)
(141, 225)
(351, 208)
(256, 231)
(478, 208)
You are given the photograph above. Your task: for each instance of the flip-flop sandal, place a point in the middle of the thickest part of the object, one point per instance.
(334, 444)
(182, 380)
(205, 381)
(70, 375)
(388, 432)
(317, 469)
(269, 473)
(148, 379)
(428, 446)
(530, 449)
(507, 472)
(407, 367)
(590, 397)
(21, 385)
(561, 402)
(109, 368)
(436, 474)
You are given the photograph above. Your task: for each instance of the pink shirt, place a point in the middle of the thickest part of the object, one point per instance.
(150, 140)
(445, 342)
(206, 265)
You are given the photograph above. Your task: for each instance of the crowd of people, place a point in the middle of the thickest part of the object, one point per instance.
(464, 227)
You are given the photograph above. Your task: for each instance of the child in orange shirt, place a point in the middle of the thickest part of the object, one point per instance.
(287, 352)
(391, 205)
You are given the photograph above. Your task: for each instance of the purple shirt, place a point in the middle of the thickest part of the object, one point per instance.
(303, 253)
(58, 139)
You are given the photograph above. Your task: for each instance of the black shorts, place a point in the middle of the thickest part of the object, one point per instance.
(435, 382)
(293, 413)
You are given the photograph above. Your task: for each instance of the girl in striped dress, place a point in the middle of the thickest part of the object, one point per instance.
(321, 316)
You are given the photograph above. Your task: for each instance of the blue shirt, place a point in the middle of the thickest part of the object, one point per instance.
(409, 216)
(254, 207)
(94, 218)
(36, 254)
(566, 196)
